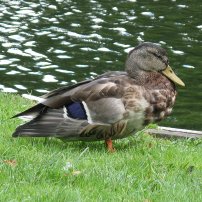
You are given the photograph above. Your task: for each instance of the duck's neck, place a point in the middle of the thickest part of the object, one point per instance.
(138, 75)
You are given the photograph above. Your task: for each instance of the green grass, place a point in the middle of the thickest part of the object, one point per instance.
(143, 168)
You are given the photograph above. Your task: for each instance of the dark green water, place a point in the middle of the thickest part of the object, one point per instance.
(48, 44)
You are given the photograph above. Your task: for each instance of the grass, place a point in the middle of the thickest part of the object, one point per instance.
(142, 168)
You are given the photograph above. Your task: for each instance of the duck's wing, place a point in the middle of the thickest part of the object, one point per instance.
(52, 95)
(64, 89)
(83, 107)
(58, 97)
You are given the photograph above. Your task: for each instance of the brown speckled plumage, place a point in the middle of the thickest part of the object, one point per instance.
(111, 106)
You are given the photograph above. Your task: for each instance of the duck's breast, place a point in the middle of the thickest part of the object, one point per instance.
(135, 105)
(160, 104)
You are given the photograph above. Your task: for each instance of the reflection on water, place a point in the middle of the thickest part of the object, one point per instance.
(53, 43)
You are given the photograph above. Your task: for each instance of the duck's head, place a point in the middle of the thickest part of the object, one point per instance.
(149, 57)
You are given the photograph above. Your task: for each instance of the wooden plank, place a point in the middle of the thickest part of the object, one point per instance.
(167, 132)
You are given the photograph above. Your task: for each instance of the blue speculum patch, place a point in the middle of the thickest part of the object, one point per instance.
(76, 110)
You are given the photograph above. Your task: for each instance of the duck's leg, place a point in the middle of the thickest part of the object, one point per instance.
(109, 145)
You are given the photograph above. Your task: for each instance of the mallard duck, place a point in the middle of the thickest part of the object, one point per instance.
(112, 106)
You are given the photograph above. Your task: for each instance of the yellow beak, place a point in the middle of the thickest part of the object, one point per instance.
(172, 76)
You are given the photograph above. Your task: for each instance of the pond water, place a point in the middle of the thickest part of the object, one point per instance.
(49, 44)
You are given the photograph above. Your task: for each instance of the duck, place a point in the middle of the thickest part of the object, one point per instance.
(111, 106)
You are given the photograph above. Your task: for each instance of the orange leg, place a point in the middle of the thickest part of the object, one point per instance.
(109, 145)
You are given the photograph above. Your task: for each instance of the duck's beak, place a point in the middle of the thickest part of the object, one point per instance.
(172, 76)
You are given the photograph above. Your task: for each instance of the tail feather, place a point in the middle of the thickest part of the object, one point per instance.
(51, 123)
(32, 112)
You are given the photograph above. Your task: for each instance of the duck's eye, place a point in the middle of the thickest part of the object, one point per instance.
(157, 56)
(160, 57)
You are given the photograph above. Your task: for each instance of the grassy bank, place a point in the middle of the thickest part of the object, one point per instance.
(142, 168)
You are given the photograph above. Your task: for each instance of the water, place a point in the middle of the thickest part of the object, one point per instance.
(49, 44)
